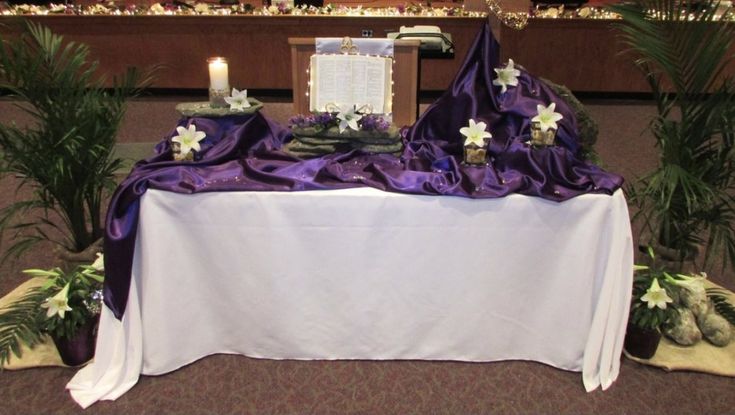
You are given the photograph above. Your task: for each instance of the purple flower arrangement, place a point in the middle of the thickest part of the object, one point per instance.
(325, 120)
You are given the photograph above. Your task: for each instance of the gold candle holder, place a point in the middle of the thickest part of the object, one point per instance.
(176, 150)
(542, 138)
(475, 155)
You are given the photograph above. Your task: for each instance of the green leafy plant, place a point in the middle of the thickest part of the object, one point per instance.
(687, 200)
(59, 307)
(651, 306)
(66, 155)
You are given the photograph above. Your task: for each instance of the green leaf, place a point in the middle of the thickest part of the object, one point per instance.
(19, 324)
(722, 304)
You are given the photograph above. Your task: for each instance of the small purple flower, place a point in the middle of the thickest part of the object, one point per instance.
(282, 7)
(296, 121)
(309, 121)
(324, 118)
(383, 125)
(373, 122)
(401, 8)
(368, 122)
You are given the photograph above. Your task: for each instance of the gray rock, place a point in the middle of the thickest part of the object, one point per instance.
(683, 329)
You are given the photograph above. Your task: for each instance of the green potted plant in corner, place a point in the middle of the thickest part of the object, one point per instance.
(66, 155)
(686, 202)
(65, 306)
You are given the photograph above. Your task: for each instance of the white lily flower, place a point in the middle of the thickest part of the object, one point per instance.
(546, 116)
(656, 296)
(348, 119)
(694, 283)
(99, 263)
(507, 76)
(238, 100)
(188, 139)
(58, 304)
(475, 133)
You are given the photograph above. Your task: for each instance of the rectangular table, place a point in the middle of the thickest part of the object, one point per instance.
(365, 274)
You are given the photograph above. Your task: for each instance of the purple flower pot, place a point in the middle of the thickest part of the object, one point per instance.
(641, 343)
(79, 348)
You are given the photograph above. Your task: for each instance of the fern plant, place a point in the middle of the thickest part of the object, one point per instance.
(66, 155)
(687, 200)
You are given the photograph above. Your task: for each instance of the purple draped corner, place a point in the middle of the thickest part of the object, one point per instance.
(243, 153)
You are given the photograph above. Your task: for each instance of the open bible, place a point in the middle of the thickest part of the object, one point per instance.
(351, 80)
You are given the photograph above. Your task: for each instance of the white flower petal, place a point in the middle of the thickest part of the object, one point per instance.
(99, 263)
(507, 76)
(188, 139)
(475, 133)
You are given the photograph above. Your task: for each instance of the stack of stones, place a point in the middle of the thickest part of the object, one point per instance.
(318, 135)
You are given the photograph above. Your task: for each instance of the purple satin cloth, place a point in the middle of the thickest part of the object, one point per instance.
(243, 153)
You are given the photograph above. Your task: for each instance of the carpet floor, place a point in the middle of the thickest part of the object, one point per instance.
(229, 384)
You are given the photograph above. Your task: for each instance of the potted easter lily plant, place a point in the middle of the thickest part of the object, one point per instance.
(651, 307)
(65, 306)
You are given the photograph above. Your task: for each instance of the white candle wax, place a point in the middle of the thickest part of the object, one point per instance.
(218, 78)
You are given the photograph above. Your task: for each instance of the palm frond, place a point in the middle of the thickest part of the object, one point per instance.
(683, 53)
(19, 324)
(722, 304)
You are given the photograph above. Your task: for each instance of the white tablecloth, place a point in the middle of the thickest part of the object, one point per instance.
(365, 274)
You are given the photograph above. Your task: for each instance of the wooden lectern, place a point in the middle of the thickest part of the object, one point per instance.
(405, 77)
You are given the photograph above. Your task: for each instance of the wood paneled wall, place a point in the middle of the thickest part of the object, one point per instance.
(256, 46)
(582, 54)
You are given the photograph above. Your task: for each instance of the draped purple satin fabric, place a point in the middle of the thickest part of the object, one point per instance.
(242, 153)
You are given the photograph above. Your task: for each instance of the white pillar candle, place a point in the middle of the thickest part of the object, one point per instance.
(218, 78)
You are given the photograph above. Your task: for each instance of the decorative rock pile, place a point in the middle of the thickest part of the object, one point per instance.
(697, 318)
(317, 135)
(308, 142)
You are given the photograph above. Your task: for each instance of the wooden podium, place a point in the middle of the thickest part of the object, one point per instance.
(405, 77)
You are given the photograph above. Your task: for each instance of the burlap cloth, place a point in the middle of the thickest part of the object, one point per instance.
(702, 357)
(43, 354)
